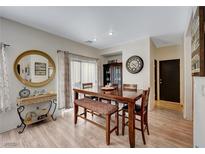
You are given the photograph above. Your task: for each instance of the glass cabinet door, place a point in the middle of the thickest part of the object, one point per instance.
(112, 73)
(116, 75)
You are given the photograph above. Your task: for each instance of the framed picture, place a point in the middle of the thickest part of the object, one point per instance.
(198, 39)
(40, 69)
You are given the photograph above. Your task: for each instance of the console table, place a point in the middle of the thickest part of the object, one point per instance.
(44, 98)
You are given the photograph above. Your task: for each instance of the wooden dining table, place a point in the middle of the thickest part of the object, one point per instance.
(120, 95)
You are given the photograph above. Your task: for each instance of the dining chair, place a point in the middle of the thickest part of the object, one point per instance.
(88, 86)
(129, 87)
(142, 112)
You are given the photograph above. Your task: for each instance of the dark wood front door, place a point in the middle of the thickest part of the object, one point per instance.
(170, 80)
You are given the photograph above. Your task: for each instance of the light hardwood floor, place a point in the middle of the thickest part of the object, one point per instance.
(169, 105)
(167, 129)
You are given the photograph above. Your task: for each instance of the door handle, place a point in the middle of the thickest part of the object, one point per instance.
(160, 81)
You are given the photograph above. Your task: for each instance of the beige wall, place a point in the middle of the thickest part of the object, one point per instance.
(168, 53)
(188, 81)
(22, 38)
(0, 30)
(199, 105)
(152, 84)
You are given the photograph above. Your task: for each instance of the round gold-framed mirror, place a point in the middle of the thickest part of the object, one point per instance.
(34, 68)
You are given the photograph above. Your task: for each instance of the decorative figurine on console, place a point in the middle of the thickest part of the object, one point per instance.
(24, 93)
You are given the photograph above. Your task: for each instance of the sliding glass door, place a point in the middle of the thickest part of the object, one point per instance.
(89, 72)
(83, 72)
(75, 74)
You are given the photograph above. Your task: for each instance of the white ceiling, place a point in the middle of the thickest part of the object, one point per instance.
(165, 25)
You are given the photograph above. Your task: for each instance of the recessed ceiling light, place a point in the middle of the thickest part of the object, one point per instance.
(110, 33)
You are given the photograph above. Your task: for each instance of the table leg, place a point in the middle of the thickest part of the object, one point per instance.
(131, 117)
(20, 109)
(55, 105)
(75, 108)
(50, 103)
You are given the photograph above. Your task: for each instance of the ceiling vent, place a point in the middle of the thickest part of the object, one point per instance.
(89, 41)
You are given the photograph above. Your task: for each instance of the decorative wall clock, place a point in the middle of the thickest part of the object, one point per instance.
(134, 64)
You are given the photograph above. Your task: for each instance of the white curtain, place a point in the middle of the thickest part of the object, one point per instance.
(5, 104)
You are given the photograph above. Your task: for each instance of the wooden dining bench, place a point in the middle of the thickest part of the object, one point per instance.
(101, 108)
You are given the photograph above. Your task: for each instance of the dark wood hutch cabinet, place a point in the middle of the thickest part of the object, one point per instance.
(198, 42)
(112, 73)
